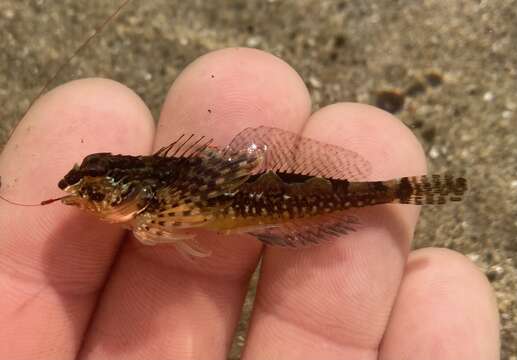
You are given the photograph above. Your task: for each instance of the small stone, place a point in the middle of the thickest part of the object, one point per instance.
(488, 96)
(339, 41)
(494, 273)
(510, 105)
(9, 13)
(429, 134)
(434, 78)
(415, 89)
(390, 100)
(253, 41)
(314, 82)
(507, 114)
(473, 257)
(472, 89)
(434, 153)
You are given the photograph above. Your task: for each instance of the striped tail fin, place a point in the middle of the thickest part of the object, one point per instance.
(428, 189)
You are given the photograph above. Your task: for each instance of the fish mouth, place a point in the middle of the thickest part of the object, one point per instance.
(80, 202)
(75, 199)
(121, 213)
(97, 209)
(72, 200)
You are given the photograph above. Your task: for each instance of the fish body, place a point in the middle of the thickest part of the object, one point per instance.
(282, 188)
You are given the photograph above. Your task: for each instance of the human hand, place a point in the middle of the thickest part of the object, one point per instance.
(73, 287)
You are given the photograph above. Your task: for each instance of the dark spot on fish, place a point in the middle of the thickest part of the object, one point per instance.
(379, 186)
(404, 190)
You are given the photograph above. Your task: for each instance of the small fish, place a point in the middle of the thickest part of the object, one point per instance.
(282, 188)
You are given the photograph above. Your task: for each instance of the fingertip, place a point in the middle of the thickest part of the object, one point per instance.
(442, 263)
(445, 309)
(228, 90)
(389, 145)
(69, 122)
(99, 96)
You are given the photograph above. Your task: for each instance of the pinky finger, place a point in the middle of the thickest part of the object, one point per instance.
(445, 310)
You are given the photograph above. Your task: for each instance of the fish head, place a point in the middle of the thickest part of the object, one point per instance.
(109, 186)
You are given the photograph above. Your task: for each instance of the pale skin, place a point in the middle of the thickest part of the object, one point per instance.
(75, 288)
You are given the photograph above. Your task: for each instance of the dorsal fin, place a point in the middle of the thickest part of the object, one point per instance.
(185, 146)
(288, 152)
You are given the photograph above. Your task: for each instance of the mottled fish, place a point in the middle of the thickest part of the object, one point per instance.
(282, 188)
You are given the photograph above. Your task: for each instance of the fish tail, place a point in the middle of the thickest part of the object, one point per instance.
(428, 189)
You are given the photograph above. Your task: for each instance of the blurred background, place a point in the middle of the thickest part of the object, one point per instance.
(448, 70)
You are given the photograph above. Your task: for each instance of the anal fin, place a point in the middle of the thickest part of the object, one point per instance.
(307, 232)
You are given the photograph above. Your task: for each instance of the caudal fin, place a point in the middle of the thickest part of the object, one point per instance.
(430, 189)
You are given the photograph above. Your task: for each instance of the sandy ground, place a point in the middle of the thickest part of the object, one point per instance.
(447, 69)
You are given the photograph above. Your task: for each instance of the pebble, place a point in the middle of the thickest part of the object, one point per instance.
(314, 82)
(434, 153)
(488, 96)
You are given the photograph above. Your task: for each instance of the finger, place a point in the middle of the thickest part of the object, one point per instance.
(333, 301)
(189, 309)
(54, 259)
(445, 310)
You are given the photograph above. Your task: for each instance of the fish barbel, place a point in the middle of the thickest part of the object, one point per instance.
(280, 187)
